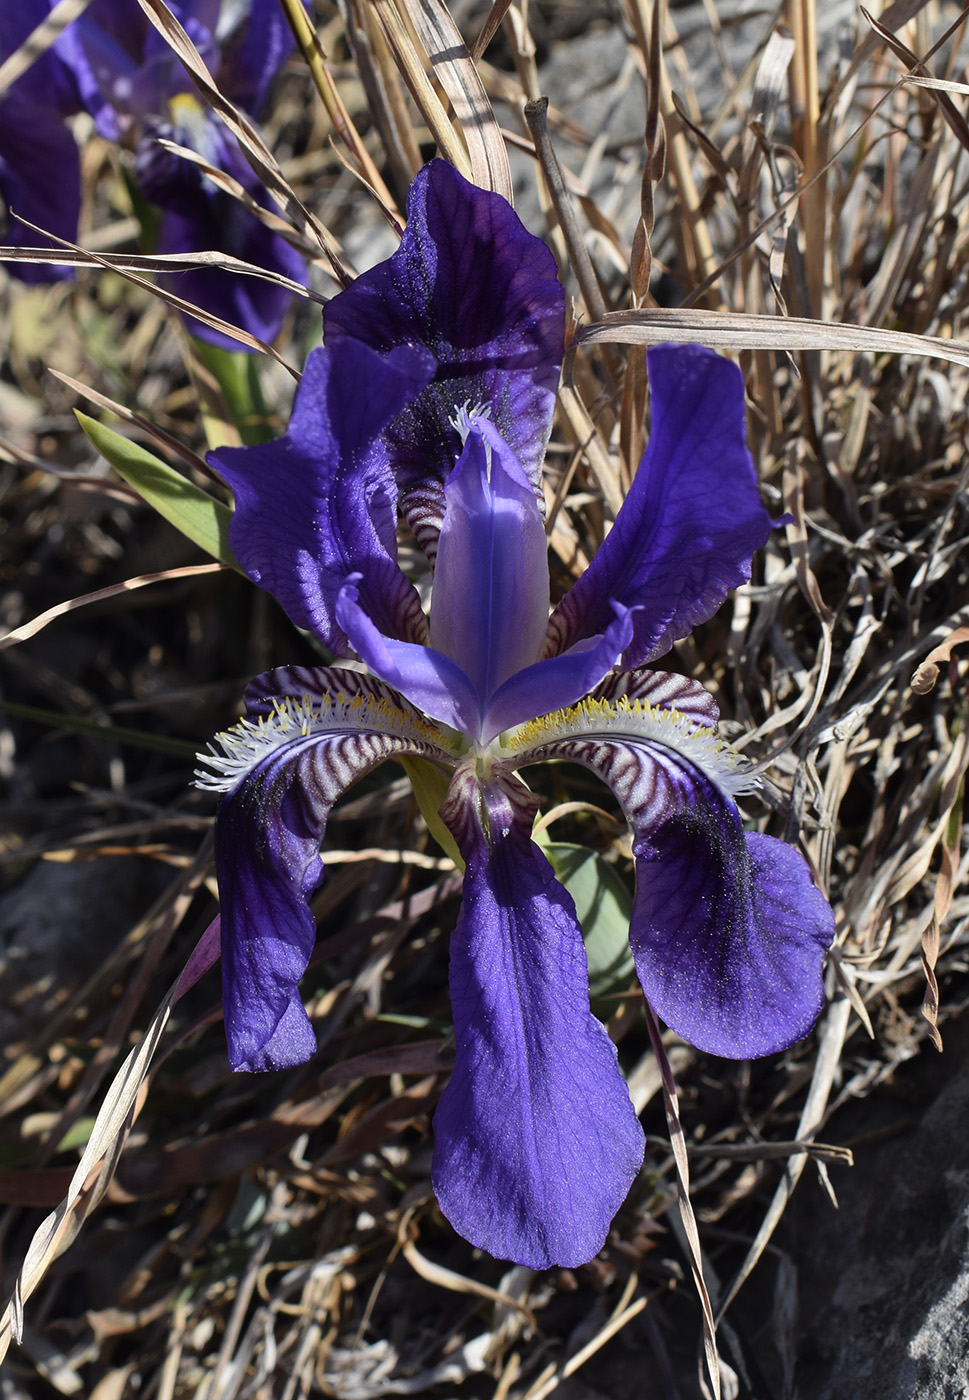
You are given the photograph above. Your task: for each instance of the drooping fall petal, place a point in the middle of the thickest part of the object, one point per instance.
(536, 1141)
(729, 931)
(281, 773)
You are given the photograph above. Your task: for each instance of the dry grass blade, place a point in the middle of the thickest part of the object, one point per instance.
(737, 331)
(318, 64)
(834, 1027)
(623, 1313)
(536, 115)
(950, 112)
(30, 629)
(100, 1155)
(151, 430)
(412, 69)
(457, 1283)
(459, 79)
(927, 673)
(490, 28)
(951, 802)
(39, 40)
(681, 1160)
(163, 262)
(178, 303)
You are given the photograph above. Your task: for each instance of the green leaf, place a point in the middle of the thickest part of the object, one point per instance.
(603, 904)
(114, 733)
(430, 786)
(237, 375)
(199, 516)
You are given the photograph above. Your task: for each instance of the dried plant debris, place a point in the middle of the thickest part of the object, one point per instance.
(792, 194)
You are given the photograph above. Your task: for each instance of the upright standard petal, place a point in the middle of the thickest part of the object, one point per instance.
(319, 504)
(693, 518)
(729, 932)
(471, 284)
(281, 773)
(536, 1141)
(489, 607)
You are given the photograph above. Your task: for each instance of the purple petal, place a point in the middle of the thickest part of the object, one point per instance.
(199, 217)
(471, 284)
(489, 608)
(253, 54)
(692, 520)
(319, 504)
(429, 679)
(267, 849)
(729, 932)
(39, 177)
(536, 1141)
(220, 223)
(558, 681)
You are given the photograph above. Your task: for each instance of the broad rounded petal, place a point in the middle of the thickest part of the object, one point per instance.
(319, 504)
(429, 679)
(692, 520)
(729, 932)
(471, 284)
(281, 773)
(536, 1141)
(558, 681)
(489, 607)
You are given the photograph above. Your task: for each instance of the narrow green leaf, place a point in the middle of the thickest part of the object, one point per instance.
(430, 786)
(199, 516)
(237, 375)
(116, 733)
(603, 904)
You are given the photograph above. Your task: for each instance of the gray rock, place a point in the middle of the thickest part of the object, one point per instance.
(884, 1281)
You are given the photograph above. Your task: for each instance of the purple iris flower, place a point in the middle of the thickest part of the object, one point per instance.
(434, 394)
(112, 63)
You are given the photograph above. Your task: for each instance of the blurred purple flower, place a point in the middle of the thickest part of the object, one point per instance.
(39, 166)
(112, 63)
(435, 390)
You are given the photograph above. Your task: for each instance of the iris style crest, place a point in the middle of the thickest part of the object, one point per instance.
(433, 395)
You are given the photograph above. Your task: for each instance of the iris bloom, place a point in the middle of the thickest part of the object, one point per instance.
(434, 392)
(112, 63)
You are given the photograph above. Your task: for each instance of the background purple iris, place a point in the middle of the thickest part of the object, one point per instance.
(112, 63)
